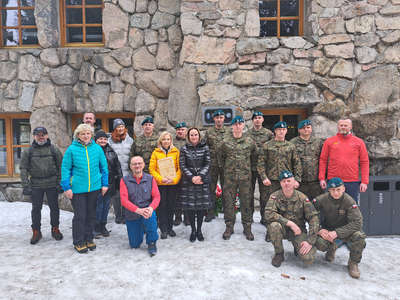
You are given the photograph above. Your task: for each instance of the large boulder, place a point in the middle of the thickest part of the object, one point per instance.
(115, 26)
(156, 83)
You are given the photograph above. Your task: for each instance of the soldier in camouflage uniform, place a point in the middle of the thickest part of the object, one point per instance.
(214, 137)
(260, 136)
(287, 212)
(341, 221)
(145, 144)
(274, 157)
(236, 155)
(308, 149)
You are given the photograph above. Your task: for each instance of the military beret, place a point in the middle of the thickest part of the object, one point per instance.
(256, 114)
(303, 123)
(180, 125)
(218, 112)
(335, 182)
(38, 130)
(148, 120)
(285, 174)
(280, 124)
(237, 119)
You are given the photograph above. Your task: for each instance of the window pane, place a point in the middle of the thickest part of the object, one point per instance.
(27, 17)
(9, 3)
(2, 132)
(3, 161)
(289, 8)
(29, 36)
(10, 37)
(74, 2)
(9, 17)
(93, 2)
(27, 2)
(290, 28)
(94, 34)
(269, 121)
(21, 131)
(17, 159)
(267, 8)
(74, 16)
(268, 28)
(93, 15)
(74, 35)
(292, 121)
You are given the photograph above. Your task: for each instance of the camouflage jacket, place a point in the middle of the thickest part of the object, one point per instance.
(179, 143)
(214, 138)
(297, 209)
(275, 157)
(308, 152)
(235, 157)
(259, 137)
(341, 215)
(144, 146)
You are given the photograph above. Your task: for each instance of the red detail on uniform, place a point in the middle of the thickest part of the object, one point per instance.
(314, 200)
(218, 191)
(354, 206)
(307, 200)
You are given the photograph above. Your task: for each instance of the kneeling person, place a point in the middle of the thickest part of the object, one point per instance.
(341, 222)
(140, 197)
(286, 214)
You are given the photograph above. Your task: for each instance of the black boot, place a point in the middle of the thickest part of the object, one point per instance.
(178, 218)
(192, 236)
(97, 231)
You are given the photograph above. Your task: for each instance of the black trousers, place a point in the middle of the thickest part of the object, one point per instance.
(37, 204)
(119, 211)
(84, 219)
(165, 212)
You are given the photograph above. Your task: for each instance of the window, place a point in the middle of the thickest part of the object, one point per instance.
(15, 133)
(291, 116)
(281, 17)
(17, 23)
(81, 22)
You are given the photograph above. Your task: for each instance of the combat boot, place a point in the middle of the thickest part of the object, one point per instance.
(178, 218)
(353, 269)
(330, 254)
(278, 259)
(56, 233)
(247, 232)
(228, 232)
(36, 236)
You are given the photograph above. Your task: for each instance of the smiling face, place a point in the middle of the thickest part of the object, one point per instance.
(136, 165)
(102, 141)
(148, 129)
(120, 129)
(89, 118)
(41, 138)
(287, 185)
(181, 132)
(344, 126)
(166, 141)
(85, 136)
(194, 137)
(337, 193)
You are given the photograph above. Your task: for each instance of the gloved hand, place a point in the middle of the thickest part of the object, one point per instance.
(27, 191)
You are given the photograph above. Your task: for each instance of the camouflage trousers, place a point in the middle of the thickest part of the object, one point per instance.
(310, 189)
(275, 185)
(232, 186)
(356, 244)
(215, 174)
(262, 189)
(277, 233)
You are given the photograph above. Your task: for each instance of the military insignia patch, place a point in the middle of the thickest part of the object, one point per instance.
(341, 212)
(314, 200)
(354, 206)
(307, 200)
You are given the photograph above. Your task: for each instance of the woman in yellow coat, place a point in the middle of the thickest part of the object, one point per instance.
(168, 187)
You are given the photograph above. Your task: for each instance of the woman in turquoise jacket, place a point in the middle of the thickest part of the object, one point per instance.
(84, 174)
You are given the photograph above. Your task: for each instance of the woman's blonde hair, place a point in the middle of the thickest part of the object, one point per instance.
(83, 127)
(162, 135)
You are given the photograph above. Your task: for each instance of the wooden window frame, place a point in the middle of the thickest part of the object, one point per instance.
(104, 117)
(278, 19)
(9, 146)
(285, 111)
(64, 25)
(19, 27)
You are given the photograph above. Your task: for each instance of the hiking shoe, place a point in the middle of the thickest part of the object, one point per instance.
(192, 236)
(36, 236)
(353, 269)
(330, 254)
(56, 234)
(152, 249)
(247, 232)
(171, 233)
(91, 245)
(228, 232)
(200, 236)
(81, 248)
(277, 260)
(104, 231)
(164, 235)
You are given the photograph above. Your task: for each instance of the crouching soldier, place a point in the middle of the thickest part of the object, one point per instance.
(40, 174)
(341, 221)
(286, 213)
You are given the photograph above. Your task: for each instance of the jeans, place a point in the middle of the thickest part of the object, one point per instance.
(353, 189)
(37, 203)
(102, 208)
(137, 228)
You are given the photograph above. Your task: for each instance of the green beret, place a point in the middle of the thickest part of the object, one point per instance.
(303, 123)
(280, 124)
(180, 125)
(237, 119)
(148, 120)
(256, 114)
(335, 182)
(285, 174)
(218, 112)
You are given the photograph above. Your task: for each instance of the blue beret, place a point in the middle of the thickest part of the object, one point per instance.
(303, 123)
(285, 174)
(180, 125)
(280, 124)
(218, 112)
(148, 120)
(335, 182)
(256, 114)
(237, 119)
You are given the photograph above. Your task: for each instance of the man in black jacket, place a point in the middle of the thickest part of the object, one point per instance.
(41, 173)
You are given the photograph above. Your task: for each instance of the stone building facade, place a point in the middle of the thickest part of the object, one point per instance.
(171, 58)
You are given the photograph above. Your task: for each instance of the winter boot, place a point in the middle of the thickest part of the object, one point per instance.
(330, 254)
(192, 236)
(186, 220)
(81, 248)
(56, 233)
(104, 231)
(210, 216)
(97, 231)
(247, 232)
(178, 218)
(353, 269)
(228, 232)
(152, 249)
(171, 233)
(164, 235)
(36, 236)
(91, 245)
(200, 236)
(278, 259)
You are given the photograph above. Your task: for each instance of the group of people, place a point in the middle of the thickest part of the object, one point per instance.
(292, 177)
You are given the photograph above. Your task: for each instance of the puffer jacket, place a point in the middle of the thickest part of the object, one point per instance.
(122, 149)
(114, 169)
(159, 153)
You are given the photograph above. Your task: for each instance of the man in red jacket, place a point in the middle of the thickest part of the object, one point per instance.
(343, 155)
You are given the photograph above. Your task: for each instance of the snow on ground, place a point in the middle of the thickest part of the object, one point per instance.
(213, 269)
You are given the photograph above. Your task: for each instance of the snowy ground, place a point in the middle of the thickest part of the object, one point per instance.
(213, 269)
